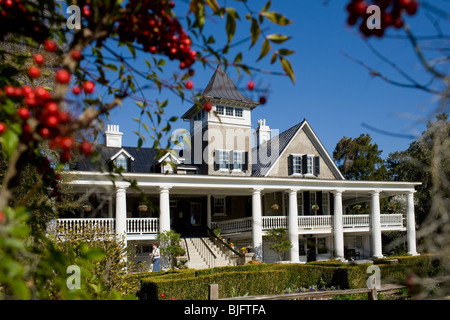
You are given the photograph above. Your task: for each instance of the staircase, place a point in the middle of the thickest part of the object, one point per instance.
(203, 253)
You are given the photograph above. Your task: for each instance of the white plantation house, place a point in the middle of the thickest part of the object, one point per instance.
(221, 182)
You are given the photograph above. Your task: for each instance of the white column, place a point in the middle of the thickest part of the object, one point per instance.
(164, 209)
(121, 214)
(257, 224)
(411, 224)
(376, 224)
(338, 227)
(293, 226)
(208, 211)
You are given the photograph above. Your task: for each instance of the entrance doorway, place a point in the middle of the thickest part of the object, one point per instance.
(311, 249)
(187, 215)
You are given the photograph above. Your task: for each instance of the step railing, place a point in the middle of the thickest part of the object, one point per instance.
(230, 253)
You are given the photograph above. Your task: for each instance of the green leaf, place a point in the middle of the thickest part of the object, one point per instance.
(255, 31)
(264, 49)
(267, 6)
(230, 26)
(276, 17)
(277, 38)
(288, 68)
(285, 52)
(9, 142)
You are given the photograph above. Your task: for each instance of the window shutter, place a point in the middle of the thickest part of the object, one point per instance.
(245, 164)
(227, 206)
(216, 159)
(331, 203)
(304, 163)
(290, 164)
(316, 165)
(212, 205)
(306, 203)
(231, 160)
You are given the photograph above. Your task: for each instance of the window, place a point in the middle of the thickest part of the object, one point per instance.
(325, 203)
(237, 161)
(309, 164)
(322, 245)
(229, 111)
(297, 164)
(219, 109)
(219, 206)
(238, 112)
(300, 203)
(312, 198)
(301, 247)
(224, 159)
(121, 161)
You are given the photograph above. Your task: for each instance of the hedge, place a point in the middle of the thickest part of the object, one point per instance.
(237, 283)
(275, 278)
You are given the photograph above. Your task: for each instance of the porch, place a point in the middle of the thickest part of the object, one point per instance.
(309, 224)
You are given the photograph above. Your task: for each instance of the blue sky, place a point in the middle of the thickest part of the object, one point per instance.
(335, 94)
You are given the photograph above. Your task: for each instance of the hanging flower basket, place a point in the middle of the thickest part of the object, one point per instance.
(357, 207)
(315, 207)
(142, 207)
(87, 208)
(275, 207)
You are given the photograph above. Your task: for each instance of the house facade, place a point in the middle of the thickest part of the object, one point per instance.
(243, 182)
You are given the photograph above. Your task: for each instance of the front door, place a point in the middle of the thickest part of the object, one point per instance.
(311, 249)
(195, 214)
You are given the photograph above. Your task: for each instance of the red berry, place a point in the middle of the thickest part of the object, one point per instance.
(65, 156)
(162, 295)
(50, 45)
(189, 84)
(52, 107)
(67, 143)
(76, 90)
(262, 100)
(23, 113)
(2, 127)
(86, 148)
(63, 76)
(251, 85)
(45, 132)
(88, 86)
(86, 11)
(42, 93)
(63, 117)
(9, 90)
(76, 55)
(2, 217)
(52, 121)
(34, 72)
(207, 107)
(38, 58)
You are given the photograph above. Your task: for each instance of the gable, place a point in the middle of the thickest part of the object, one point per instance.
(302, 142)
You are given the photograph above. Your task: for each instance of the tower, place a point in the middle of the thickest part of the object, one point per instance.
(221, 138)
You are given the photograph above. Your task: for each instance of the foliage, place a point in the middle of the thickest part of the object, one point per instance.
(49, 79)
(193, 284)
(282, 244)
(170, 245)
(359, 159)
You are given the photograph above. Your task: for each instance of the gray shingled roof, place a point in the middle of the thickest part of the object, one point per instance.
(144, 159)
(260, 167)
(220, 86)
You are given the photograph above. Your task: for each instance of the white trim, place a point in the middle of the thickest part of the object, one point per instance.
(177, 160)
(119, 153)
(318, 145)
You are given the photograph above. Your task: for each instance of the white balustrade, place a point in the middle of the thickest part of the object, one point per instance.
(392, 220)
(356, 220)
(142, 225)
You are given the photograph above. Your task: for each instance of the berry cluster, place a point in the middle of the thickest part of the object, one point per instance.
(152, 26)
(31, 25)
(391, 14)
(39, 105)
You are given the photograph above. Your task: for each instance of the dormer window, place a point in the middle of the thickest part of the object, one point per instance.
(121, 161)
(219, 109)
(304, 164)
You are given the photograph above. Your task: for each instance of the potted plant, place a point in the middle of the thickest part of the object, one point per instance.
(87, 208)
(357, 207)
(274, 207)
(217, 232)
(142, 207)
(315, 207)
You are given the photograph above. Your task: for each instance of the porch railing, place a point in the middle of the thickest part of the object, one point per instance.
(142, 225)
(309, 222)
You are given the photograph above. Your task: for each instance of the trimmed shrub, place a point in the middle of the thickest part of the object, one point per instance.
(237, 283)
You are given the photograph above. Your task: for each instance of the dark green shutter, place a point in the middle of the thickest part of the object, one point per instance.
(319, 202)
(331, 203)
(245, 164)
(290, 164)
(231, 160)
(304, 163)
(316, 165)
(306, 203)
(216, 160)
